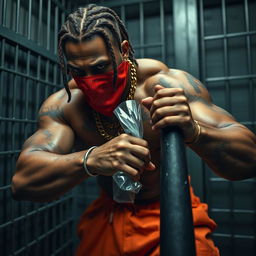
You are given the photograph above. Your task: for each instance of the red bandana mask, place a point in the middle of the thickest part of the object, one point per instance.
(99, 91)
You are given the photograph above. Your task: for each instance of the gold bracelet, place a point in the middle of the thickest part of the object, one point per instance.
(197, 134)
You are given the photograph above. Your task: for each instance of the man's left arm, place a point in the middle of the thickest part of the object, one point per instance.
(228, 147)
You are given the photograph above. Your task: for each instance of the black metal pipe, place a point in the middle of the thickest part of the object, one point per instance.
(176, 223)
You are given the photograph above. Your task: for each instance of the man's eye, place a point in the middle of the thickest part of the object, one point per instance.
(101, 66)
(75, 72)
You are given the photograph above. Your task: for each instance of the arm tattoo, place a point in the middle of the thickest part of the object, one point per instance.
(167, 84)
(51, 111)
(194, 82)
(195, 97)
(48, 146)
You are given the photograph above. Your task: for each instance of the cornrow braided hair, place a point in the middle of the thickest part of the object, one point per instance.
(86, 22)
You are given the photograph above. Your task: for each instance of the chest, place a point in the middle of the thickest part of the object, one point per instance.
(89, 133)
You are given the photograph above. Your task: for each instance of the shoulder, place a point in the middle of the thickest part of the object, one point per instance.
(150, 67)
(176, 78)
(56, 106)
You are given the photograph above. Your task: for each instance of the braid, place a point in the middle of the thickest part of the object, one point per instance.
(63, 69)
(96, 17)
(109, 45)
(107, 24)
(86, 22)
(123, 30)
(63, 62)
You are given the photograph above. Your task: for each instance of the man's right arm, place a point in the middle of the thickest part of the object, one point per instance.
(46, 168)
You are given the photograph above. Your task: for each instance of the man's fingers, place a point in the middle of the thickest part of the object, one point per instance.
(150, 167)
(167, 92)
(135, 175)
(158, 87)
(135, 163)
(147, 102)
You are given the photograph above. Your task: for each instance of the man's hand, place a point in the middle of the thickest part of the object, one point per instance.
(123, 153)
(169, 107)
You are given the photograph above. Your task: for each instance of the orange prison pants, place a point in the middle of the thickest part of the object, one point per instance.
(111, 229)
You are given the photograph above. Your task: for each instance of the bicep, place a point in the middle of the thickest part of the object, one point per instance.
(53, 134)
(56, 138)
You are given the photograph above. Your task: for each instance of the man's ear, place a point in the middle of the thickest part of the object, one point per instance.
(125, 46)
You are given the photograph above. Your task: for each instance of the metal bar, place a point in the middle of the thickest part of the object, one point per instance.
(180, 34)
(4, 13)
(62, 219)
(10, 152)
(234, 236)
(34, 212)
(29, 77)
(176, 224)
(162, 29)
(9, 119)
(141, 28)
(63, 17)
(56, 27)
(17, 16)
(203, 65)
(49, 232)
(63, 247)
(228, 78)
(13, 133)
(192, 37)
(47, 78)
(234, 211)
(1, 74)
(224, 22)
(148, 45)
(38, 84)
(61, 6)
(16, 60)
(229, 35)
(249, 62)
(46, 223)
(218, 179)
(123, 18)
(4, 188)
(55, 72)
(228, 105)
(48, 33)
(29, 18)
(39, 29)
(125, 2)
(27, 87)
(54, 239)
(25, 43)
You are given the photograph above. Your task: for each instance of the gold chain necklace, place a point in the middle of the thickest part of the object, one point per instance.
(116, 125)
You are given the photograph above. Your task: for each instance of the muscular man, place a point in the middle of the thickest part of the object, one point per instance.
(94, 48)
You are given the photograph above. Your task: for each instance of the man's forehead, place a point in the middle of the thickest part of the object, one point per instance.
(93, 46)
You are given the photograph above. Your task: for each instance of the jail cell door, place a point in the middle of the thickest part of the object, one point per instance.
(29, 73)
(228, 69)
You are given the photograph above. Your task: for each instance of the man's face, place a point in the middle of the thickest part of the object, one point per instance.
(90, 57)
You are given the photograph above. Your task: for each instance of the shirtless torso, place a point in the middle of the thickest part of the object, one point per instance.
(51, 161)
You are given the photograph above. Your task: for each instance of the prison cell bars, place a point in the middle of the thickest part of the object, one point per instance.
(18, 216)
(226, 79)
